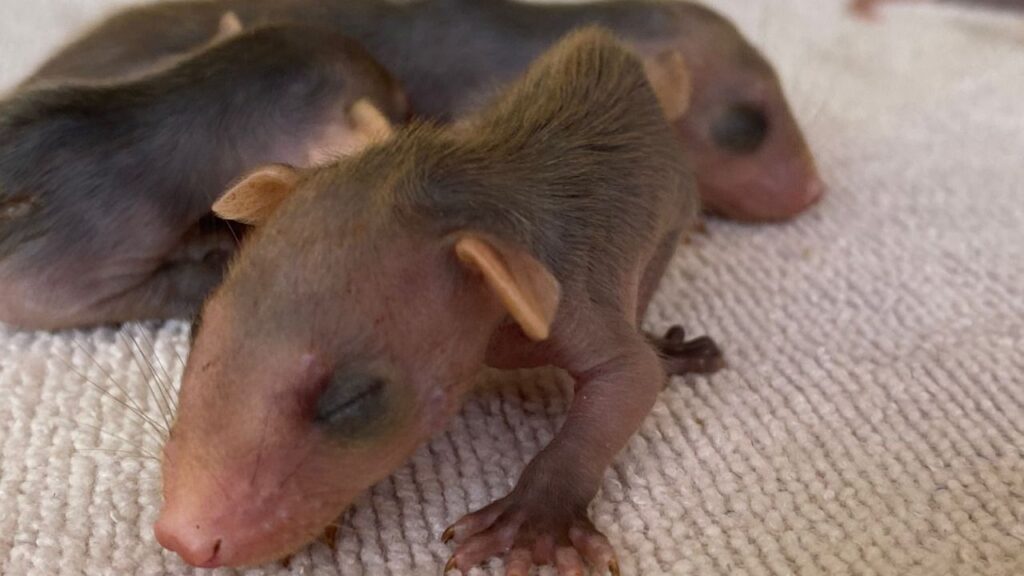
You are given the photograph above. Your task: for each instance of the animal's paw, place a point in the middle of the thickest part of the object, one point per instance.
(681, 356)
(527, 534)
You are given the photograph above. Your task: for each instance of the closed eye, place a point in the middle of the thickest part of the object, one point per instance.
(351, 404)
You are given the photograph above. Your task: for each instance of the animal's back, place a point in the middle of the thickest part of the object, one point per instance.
(576, 162)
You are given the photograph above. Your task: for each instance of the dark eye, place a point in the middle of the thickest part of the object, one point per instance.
(741, 129)
(351, 403)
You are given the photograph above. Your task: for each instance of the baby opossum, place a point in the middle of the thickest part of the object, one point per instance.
(351, 324)
(751, 160)
(104, 186)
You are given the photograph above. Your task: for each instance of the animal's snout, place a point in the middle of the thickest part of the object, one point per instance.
(813, 191)
(195, 544)
(784, 196)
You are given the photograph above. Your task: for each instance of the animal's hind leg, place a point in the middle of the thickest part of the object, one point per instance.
(679, 356)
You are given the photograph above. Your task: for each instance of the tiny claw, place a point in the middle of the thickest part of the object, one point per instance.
(330, 537)
(613, 567)
(676, 335)
(449, 533)
(450, 565)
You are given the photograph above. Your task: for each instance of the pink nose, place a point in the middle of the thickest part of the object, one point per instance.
(788, 202)
(814, 191)
(188, 540)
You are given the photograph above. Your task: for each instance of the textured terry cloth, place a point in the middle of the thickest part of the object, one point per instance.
(871, 420)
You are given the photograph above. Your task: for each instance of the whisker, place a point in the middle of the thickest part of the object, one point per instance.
(149, 381)
(167, 387)
(138, 455)
(103, 368)
(181, 363)
(108, 433)
(136, 351)
(231, 228)
(154, 428)
(110, 378)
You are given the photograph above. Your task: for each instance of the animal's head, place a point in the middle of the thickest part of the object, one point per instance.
(750, 156)
(345, 334)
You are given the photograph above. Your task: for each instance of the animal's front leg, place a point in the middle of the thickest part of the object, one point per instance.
(544, 520)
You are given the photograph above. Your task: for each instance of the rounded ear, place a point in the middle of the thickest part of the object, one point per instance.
(670, 78)
(363, 124)
(258, 195)
(370, 123)
(229, 27)
(523, 285)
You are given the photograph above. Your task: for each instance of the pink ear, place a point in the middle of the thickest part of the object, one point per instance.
(258, 195)
(230, 26)
(370, 123)
(525, 287)
(364, 124)
(670, 78)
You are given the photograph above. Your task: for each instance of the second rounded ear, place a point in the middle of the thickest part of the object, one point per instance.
(258, 195)
(523, 285)
(369, 122)
(671, 81)
(363, 124)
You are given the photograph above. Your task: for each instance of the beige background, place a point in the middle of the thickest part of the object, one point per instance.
(872, 419)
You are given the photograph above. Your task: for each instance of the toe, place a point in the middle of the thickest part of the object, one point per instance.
(675, 335)
(568, 562)
(595, 548)
(330, 537)
(701, 355)
(479, 547)
(518, 562)
(474, 523)
(543, 549)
